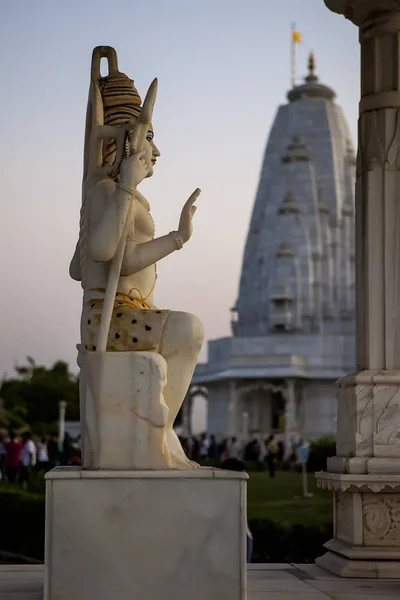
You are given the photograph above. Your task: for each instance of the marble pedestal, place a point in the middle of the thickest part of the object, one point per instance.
(366, 540)
(145, 535)
(365, 478)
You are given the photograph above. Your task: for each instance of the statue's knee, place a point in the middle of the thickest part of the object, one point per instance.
(188, 329)
(197, 332)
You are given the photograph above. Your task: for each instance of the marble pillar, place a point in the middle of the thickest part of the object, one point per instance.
(365, 474)
(233, 405)
(62, 407)
(245, 427)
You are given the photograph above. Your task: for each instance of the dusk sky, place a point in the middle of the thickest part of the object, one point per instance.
(223, 69)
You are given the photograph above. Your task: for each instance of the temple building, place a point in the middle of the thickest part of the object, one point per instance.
(293, 324)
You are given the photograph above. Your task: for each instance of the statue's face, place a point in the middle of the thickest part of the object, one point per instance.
(151, 152)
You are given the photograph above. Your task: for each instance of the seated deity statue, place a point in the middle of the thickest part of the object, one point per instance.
(111, 208)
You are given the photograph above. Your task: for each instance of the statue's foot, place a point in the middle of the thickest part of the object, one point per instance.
(179, 460)
(182, 462)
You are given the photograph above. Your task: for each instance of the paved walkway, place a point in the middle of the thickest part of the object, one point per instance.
(265, 582)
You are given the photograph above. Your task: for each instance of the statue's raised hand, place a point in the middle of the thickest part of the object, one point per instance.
(134, 169)
(185, 228)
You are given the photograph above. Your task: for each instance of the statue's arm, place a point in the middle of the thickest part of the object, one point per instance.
(109, 208)
(139, 256)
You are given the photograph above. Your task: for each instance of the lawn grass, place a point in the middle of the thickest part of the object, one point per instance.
(272, 499)
(275, 499)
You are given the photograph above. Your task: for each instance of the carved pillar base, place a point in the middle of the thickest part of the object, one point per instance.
(365, 478)
(366, 540)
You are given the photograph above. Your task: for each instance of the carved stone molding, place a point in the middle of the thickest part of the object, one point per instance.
(358, 11)
(381, 519)
(358, 483)
(369, 415)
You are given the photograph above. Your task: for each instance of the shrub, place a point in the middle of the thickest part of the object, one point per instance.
(22, 522)
(320, 451)
(276, 542)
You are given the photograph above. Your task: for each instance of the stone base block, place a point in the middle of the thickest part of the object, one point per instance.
(124, 401)
(366, 526)
(148, 535)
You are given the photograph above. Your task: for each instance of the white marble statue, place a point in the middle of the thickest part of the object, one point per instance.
(115, 215)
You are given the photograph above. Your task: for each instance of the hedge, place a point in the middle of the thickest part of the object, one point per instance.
(22, 522)
(320, 451)
(22, 532)
(276, 542)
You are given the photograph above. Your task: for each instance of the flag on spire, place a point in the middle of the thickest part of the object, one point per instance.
(297, 37)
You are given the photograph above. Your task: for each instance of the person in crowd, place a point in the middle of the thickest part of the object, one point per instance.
(281, 451)
(189, 447)
(2, 459)
(252, 451)
(42, 455)
(204, 445)
(13, 449)
(247, 452)
(28, 458)
(213, 449)
(233, 448)
(272, 449)
(184, 444)
(76, 458)
(53, 453)
(223, 450)
(293, 455)
(234, 464)
(67, 451)
(196, 450)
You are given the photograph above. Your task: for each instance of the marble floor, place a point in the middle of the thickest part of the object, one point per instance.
(265, 582)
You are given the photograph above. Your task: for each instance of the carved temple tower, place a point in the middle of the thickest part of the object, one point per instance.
(293, 323)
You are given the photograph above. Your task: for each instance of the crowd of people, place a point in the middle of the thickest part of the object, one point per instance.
(22, 454)
(206, 448)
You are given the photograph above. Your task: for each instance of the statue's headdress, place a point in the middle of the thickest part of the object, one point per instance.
(121, 104)
(114, 105)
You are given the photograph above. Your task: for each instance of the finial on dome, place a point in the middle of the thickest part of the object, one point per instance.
(311, 77)
(311, 63)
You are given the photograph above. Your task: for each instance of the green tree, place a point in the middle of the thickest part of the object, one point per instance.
(33, 394)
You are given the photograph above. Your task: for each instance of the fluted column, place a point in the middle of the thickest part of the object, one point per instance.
(365, 474)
